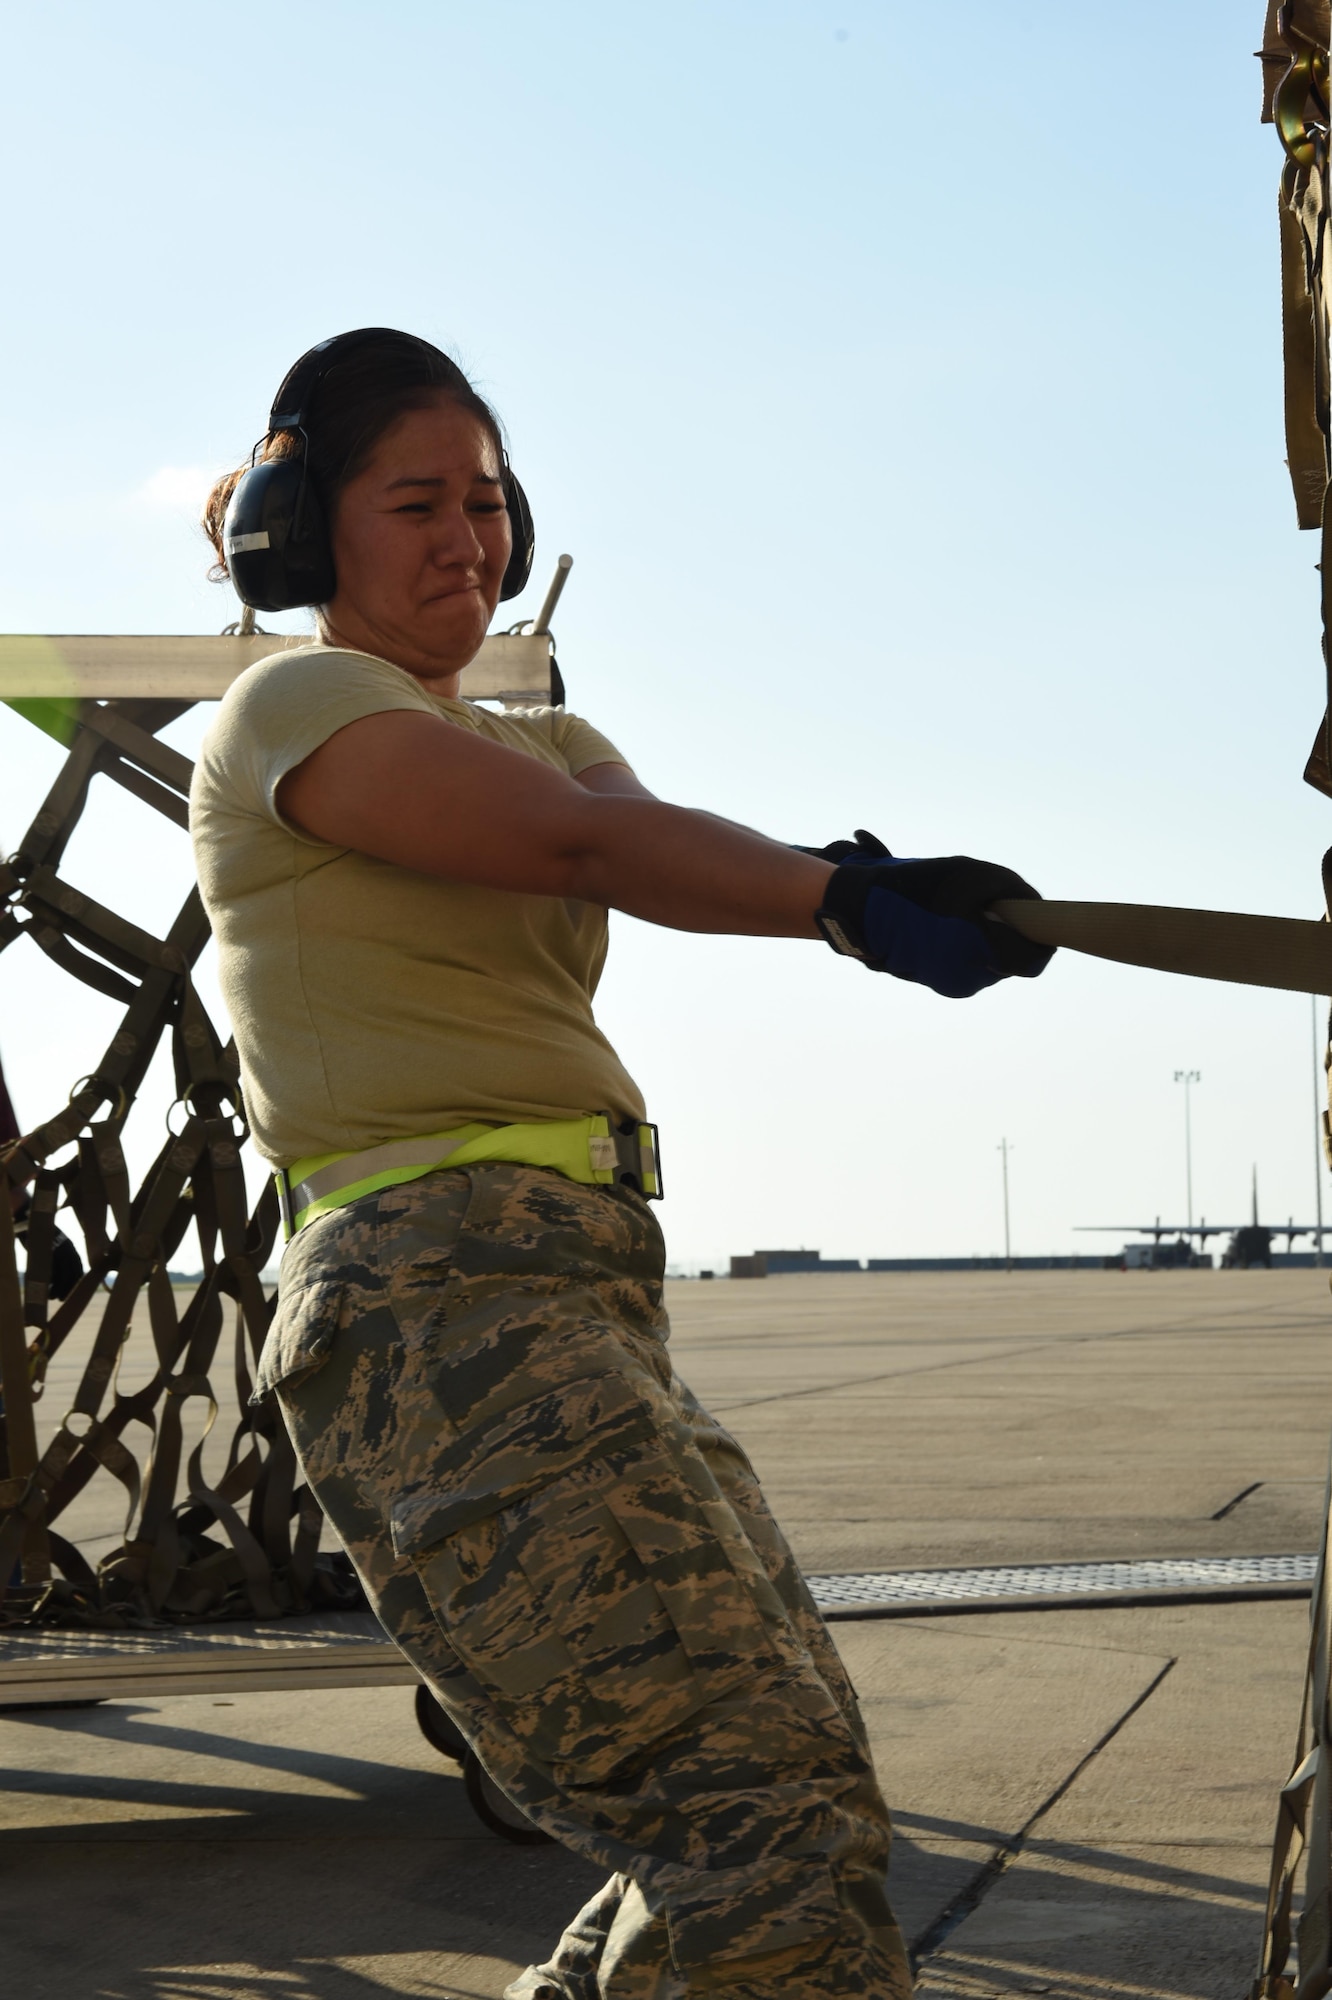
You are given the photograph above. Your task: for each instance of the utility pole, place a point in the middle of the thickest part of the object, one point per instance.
(1003, 1147)
(1188, 1077)
(1318, 1088)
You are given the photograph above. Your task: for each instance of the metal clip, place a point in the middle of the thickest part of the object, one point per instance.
(282, 1182)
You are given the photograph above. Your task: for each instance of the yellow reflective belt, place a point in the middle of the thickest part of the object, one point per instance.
(592, 1150)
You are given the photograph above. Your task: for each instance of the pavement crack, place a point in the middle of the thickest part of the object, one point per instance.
(863, 1381)
(968, 1899)
(926, 1368)
(1231, 1505)
(982, 1359)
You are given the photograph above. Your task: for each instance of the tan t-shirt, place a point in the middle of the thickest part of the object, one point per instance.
(370, 1002)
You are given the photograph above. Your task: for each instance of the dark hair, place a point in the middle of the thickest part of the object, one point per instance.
(360, 397)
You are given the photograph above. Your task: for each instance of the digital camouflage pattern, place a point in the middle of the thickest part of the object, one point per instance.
(579, 1561)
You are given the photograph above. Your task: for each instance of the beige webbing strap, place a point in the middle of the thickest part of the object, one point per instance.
(1295, 99)
(1285, 952)
(1304, 1816)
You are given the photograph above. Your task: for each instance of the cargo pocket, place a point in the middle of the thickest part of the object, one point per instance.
(300, 1338)
(750, 1913)
(591, 1596)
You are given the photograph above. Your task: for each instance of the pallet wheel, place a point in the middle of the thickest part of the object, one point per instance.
(497, 1810)
(488, 1802)
(438, 1727)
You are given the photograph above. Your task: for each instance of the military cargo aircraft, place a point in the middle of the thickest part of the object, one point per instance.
(1250, 1242)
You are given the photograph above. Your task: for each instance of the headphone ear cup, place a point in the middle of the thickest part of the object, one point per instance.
(524, 540)
(275, 539)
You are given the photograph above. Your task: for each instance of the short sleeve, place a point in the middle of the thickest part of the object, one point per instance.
(282, 709)
(581, 746)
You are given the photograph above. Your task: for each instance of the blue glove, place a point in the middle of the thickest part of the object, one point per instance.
(866, 847)
(927, 920)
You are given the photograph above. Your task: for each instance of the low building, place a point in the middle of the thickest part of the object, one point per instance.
(785, 1263)
(1075, 1263)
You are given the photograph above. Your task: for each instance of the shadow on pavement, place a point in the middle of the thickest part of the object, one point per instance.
(1079, 1921)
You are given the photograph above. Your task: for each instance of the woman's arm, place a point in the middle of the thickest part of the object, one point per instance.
(416, 790)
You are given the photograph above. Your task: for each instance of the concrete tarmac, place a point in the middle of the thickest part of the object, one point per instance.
(1084, 1799)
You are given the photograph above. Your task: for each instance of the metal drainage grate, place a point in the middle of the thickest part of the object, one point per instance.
(889, 1592)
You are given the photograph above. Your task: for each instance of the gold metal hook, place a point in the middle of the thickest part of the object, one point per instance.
(1306, 78)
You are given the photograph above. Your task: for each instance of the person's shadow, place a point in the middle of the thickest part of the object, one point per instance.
(167, 1883)
(170, 1878)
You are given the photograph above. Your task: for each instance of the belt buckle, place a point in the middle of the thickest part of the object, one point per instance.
(637, 1156)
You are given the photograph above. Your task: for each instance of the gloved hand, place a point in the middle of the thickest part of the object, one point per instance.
(865, 847)
(928, 920)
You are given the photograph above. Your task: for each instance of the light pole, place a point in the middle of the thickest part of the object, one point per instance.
(1188, 1077)
(1003, 1148)
(1319, 1084)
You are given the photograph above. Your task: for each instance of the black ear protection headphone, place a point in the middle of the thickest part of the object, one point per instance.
(275, 539)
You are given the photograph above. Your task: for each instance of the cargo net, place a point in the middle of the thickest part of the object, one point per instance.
(244, 1544)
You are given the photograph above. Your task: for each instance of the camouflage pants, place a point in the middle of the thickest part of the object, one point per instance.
(578, 1560)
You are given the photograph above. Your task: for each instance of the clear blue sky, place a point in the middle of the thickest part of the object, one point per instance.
(906, 386)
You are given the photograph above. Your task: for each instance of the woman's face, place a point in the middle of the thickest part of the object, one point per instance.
(421, 540)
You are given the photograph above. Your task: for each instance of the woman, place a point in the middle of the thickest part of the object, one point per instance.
(410, 898)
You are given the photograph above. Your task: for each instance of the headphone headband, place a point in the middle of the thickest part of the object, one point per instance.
(292, 401)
